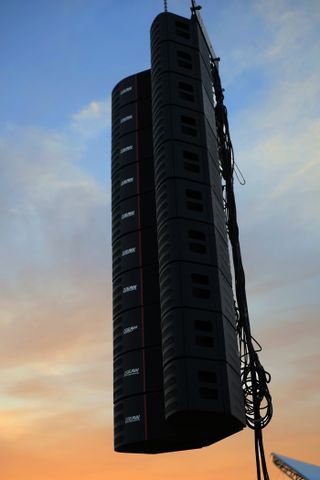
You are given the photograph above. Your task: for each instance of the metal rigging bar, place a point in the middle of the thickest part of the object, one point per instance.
(195, 10)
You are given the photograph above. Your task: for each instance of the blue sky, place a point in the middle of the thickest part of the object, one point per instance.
(60, 61)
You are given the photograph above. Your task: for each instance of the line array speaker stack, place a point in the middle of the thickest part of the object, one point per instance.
(176, 362)
(201, 368)
(136, 309)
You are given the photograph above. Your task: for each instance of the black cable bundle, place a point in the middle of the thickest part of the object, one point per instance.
(258, 401)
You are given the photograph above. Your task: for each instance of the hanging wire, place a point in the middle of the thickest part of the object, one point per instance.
(165, 2)
(255, 379)
(239, 174)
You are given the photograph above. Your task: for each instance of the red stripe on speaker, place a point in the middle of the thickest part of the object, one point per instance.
(141, 268)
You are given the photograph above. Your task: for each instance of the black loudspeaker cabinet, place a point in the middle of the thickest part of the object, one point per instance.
(201, 366)
(176, 361)
(137, 351)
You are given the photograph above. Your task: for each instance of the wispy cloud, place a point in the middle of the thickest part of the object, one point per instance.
(276, 141)
(285, 35)
(93, 118)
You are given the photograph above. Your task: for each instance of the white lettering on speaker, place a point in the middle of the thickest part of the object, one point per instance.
(126, 181)
(126, 90)
(131, 371)
(132, 419)
(130, 329)
(128, 214)
(128, 251)
(126, 119)
(130, 288)
(126, 149)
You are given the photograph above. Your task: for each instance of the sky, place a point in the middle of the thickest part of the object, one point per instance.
(59, 61)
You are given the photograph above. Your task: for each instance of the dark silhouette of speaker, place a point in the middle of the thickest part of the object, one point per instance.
(139, 416)
(201, 367)
(176, 361)
(136, 309)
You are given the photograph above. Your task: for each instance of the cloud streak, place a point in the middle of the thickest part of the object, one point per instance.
(55, 292)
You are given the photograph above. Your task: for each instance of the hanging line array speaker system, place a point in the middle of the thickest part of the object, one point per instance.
(176, 360)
